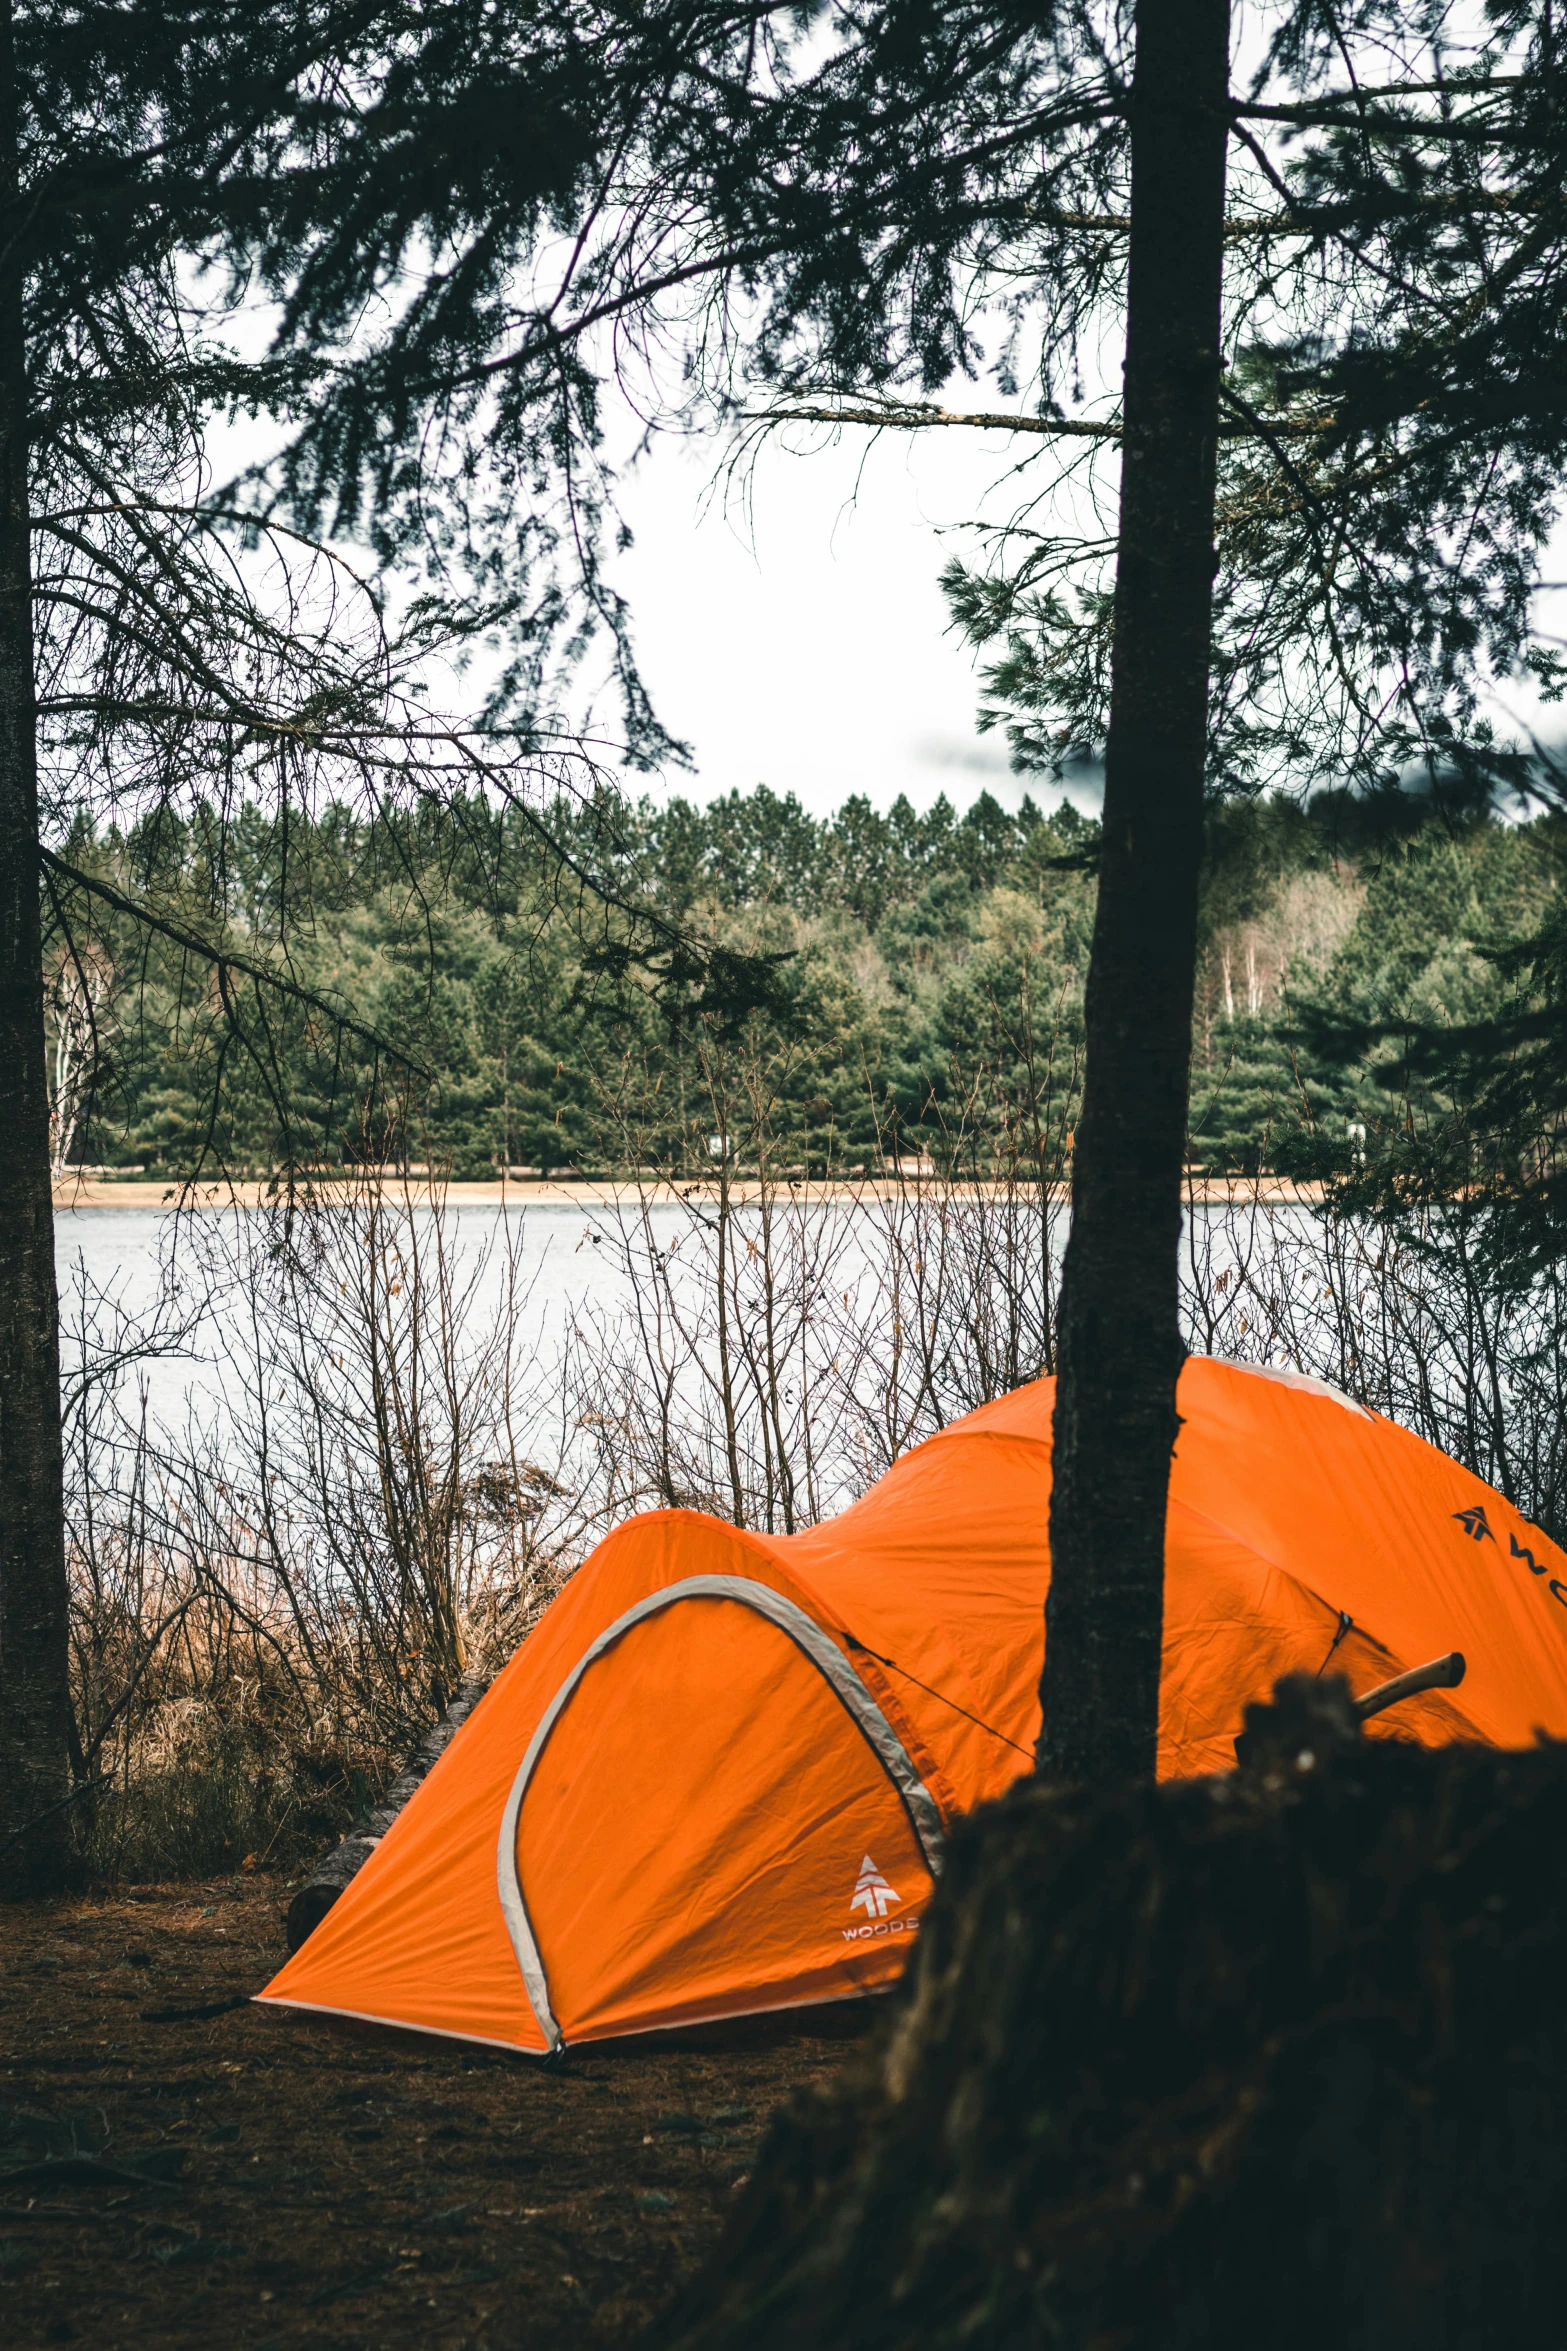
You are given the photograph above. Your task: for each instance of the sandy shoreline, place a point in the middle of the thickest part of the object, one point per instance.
(101, 1192)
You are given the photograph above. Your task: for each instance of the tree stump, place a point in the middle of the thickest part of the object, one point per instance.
(1249, 2063)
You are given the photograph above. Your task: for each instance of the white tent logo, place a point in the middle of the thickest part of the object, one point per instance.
(872, 1894)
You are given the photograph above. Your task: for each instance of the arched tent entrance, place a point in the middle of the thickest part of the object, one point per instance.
(654, 1907)
(717, 1776)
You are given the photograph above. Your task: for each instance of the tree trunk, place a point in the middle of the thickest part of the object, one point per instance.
(1120, 1343)
(35, 1716)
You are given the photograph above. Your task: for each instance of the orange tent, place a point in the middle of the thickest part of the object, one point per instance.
(717, 1776)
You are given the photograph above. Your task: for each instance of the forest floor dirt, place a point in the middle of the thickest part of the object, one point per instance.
(255, 2181)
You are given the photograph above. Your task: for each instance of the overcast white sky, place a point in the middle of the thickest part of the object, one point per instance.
(804, 644)
(790, 627)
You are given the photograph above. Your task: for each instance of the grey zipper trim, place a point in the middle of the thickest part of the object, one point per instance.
(823, 1652)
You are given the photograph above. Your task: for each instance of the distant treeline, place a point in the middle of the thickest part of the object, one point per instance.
(892, 983)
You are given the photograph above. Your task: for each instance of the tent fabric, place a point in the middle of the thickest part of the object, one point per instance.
(717, 1776)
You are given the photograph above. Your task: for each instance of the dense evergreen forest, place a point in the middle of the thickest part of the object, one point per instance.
(914, 983)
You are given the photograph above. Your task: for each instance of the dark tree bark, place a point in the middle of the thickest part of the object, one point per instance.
(35, 1705)
(1120, 1343)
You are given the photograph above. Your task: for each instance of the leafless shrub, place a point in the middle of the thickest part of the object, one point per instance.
(780, 1345)
(388, 1408)
(781, 1342)
(274, 1597)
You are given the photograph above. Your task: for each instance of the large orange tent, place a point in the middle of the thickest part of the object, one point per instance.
(718, 1775)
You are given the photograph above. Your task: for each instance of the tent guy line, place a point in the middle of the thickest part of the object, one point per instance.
(893, 1666)
(1346, 1624)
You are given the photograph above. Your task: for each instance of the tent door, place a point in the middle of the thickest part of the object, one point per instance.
(677, 1841)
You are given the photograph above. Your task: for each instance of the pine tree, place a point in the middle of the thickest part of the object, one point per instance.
(821, 230)
(164, 648)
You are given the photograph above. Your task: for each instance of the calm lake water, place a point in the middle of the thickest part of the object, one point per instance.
(564, 1258)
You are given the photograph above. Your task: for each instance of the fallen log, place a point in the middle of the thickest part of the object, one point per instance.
(330, 1875)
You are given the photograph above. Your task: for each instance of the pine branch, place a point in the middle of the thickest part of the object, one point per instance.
(912, 416)
(1377, 125)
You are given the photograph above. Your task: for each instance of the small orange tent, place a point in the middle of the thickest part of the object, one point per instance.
(717, 1776)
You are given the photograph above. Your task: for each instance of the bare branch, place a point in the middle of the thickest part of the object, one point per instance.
(225, 962)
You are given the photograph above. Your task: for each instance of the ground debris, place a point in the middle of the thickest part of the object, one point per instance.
(158, 2169)
(233, 2176)
(197, 2015)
